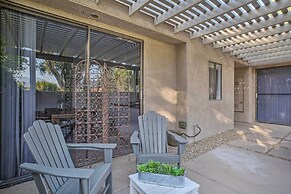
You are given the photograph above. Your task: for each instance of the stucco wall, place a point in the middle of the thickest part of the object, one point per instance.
(181, 66)
(176, 76)
(160, 92)
(212, 116)
(249, 94)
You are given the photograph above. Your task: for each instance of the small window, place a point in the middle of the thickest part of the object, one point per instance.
(215, 81)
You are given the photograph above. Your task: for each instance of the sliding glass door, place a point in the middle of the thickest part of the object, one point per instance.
(40, 68)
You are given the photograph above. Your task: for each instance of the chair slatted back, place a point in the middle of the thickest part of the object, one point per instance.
(47, 144)
(153, 137)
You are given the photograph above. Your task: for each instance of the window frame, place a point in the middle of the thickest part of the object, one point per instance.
(216, 65)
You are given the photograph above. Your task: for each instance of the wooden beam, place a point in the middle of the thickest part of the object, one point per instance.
(51, 57)
(272, 61)
(286, 42)
(262, 52)
(258, 42)
(203, 17)
(272, 7)
(75, 61)
(45, 56)
(138, 5)
(248, 28)
(271, 58)
(267, 55)
(253, 36)
(183, 6)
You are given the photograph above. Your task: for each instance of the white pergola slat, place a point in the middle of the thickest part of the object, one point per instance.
(250, 29)
(253, 36)
(260, 41)
(184, 5)
(262, 47)
(255, 13)
(263, 52)
(138, 6)
(232, 5)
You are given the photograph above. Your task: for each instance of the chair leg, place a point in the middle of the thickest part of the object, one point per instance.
(109, 181)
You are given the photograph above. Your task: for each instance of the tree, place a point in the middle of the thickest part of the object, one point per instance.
(122, 79)
(14, 64)
(46, 86)
(62, 71)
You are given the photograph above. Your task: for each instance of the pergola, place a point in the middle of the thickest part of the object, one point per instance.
(256, 31)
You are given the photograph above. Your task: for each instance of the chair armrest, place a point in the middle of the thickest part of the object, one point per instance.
(177, 138)
(77, 173)
(134, 138)
(106, 147)
(91, 146)
(135, 141)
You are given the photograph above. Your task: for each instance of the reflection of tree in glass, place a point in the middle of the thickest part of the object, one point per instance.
(62, 71)
(46, 86)
(121, 81)
(14, 64)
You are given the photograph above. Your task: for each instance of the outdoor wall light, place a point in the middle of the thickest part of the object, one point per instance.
(93, 16)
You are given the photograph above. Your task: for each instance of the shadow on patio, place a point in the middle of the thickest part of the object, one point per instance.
(249, 159)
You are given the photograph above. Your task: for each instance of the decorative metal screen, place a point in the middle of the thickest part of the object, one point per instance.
(102, 109)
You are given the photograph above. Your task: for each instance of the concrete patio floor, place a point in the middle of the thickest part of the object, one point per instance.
(259, 162)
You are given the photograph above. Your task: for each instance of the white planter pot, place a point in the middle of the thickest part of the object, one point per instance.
(162, 179)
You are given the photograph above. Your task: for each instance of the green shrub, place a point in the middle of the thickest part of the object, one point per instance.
(160, 168)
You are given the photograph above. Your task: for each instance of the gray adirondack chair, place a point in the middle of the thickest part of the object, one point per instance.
(55, 171)
(150, 142)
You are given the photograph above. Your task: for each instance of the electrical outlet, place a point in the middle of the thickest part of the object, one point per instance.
(183, 124)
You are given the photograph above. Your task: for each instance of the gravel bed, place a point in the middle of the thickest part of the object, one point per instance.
(195, 149)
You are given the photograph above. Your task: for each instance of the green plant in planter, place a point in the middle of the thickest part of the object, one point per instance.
(160, 168)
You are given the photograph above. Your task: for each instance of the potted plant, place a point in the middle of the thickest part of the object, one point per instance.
(161, 174)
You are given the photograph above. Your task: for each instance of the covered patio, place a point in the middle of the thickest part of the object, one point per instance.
(222, 65)
(249, 159)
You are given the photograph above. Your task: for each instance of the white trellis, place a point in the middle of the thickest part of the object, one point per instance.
(236, 26)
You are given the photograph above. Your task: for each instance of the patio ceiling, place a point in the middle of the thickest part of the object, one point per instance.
(69, 41)
(59, 41)
(257, 31)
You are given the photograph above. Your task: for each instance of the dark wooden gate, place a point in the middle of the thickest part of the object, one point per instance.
(274, 95)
